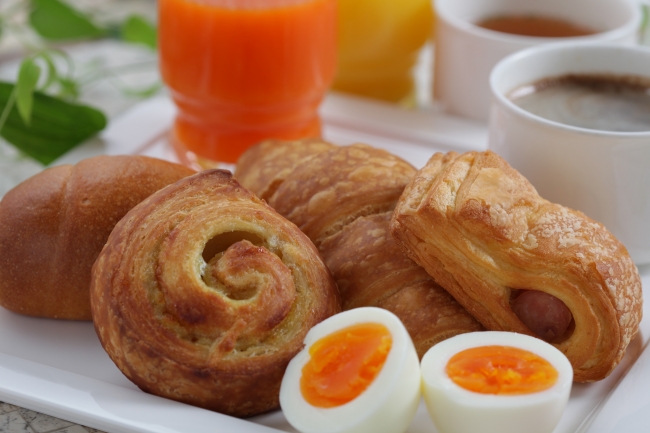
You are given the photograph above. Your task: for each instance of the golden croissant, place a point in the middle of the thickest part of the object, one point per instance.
(203, 294)
(520, 263)
(343, 198)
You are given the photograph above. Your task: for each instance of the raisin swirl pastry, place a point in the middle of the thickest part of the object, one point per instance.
(203, 294)
(520, 263)
(343, 198)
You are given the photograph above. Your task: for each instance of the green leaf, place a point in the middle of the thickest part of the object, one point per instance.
(55, 20)
(56, 127)
(27, 78)
(51, 73)
(69, 88)
(138, 30)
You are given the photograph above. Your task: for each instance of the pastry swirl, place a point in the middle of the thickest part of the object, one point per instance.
(343, 198)
(203, 294)
(520, 263)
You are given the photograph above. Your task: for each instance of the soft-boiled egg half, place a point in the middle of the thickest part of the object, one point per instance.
(495, 382)
(359, 372)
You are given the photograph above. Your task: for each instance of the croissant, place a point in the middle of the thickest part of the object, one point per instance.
(203, 294)
(343, 198)
(520, 263)
(54, 224)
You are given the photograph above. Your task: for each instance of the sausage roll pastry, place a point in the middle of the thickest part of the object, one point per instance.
(203, 294)
(343, 198)
(520, 263)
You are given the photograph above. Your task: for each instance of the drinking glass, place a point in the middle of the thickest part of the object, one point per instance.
(242, 71)
(379, 42)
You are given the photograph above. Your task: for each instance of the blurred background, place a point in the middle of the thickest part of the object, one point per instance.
(102, 65)
(103, 54)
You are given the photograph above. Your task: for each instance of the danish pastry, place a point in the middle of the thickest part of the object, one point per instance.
(520, 263)
(203, 294)
(343, 198)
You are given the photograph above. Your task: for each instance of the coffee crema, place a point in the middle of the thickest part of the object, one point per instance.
(533, 25)
(601, 102)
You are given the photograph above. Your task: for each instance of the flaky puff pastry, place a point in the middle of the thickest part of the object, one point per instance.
(482, 231)
(342, 198)
(203, 294)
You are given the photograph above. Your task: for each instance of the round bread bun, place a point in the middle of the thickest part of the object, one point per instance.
(54, 224)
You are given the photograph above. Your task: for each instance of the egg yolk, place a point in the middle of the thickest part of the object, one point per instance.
(501, 370)
(344, 363)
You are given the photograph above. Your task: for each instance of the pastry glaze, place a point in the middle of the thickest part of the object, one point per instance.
(482, 231)
(343, 198)
(203, 294)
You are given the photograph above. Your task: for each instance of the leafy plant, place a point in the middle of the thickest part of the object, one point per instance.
(139, 31)
(27, 79)
(645, 24)
(55, 20)
(55, 126)
(40, 116)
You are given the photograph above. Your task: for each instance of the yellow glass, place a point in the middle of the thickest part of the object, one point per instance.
(378, 45)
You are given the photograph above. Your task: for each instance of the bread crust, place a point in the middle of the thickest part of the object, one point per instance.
(264, 167)
(54, 224)
(342, 198)
(482, 231)
(203, 294)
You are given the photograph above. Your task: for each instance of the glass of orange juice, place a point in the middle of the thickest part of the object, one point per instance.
(242, 71)
(378, 43)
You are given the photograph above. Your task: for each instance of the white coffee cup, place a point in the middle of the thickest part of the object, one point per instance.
(604, 174)
(465, 53)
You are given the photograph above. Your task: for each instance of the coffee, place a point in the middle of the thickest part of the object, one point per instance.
(532, 25)
(600, 102)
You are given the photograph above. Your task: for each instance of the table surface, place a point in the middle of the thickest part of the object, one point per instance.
(15, 419)
(14, 167)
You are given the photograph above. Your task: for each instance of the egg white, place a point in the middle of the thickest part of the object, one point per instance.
(455, 409)
(389, 403)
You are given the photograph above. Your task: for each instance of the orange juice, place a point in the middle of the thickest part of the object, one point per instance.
(242, 71)
(378, 43)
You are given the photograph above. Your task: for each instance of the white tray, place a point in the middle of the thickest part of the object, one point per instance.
(59, 368)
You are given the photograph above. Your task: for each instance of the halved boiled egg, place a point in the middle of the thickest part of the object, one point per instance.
(359, 372)
(495, 382)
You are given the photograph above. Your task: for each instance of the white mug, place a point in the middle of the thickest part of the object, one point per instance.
(466, 53)
(604, 174)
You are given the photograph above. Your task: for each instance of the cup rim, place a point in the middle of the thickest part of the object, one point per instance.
(630, 26)
(513, 59)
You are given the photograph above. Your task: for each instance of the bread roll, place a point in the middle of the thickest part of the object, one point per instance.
(520, 263)
(53, 226)
(203, 294)
(342, 198)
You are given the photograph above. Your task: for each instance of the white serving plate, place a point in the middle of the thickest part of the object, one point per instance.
(59, 368)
